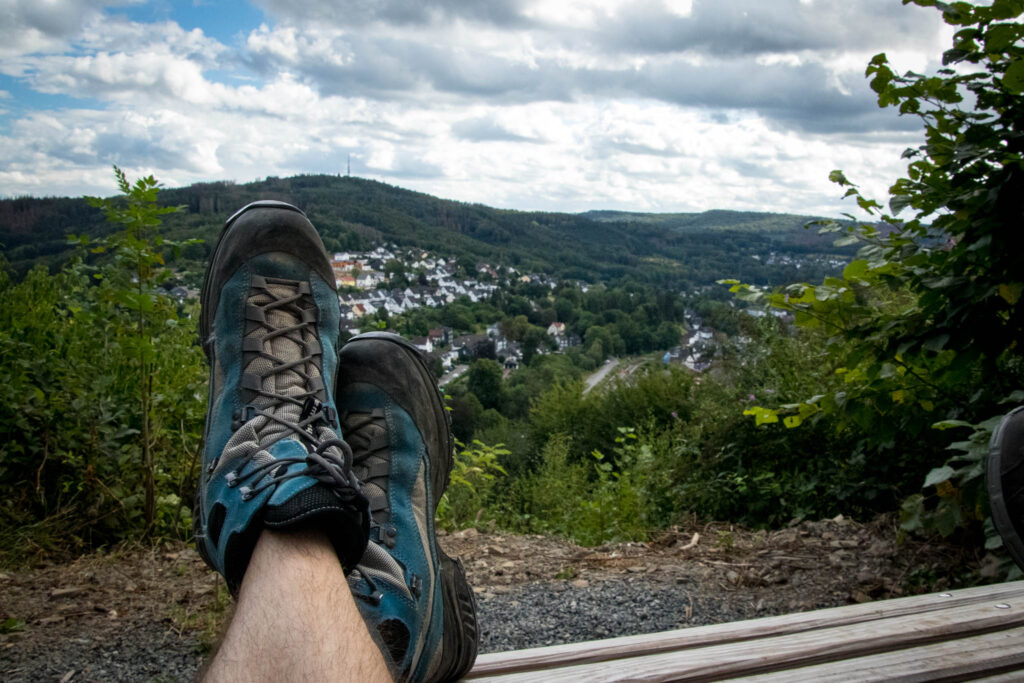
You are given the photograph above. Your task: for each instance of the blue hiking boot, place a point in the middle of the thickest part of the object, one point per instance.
(1005, 482)
(414, 598)
(272, 457)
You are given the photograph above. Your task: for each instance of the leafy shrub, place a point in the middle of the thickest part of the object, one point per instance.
(925, 324)
(102, 390)
(591, 502)
(474, 472)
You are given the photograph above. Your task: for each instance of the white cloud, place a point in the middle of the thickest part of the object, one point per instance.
(660, 105)
(45, 26)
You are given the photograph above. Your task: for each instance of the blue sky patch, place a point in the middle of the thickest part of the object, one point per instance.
(229, 21)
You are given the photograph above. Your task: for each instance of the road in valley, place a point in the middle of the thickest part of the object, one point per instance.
(600, 374)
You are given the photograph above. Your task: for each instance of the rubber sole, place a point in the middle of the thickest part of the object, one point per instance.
(461, 636)
(1005, 482)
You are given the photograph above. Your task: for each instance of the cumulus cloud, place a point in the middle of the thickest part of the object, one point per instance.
(481, 128)
(37, 26)
(754, 27)
(781, 60)
(357, 13)
(570, 105)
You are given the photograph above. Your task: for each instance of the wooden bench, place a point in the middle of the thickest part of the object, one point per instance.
(969, 634)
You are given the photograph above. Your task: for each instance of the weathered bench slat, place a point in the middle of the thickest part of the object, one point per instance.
(1009, 677)
(535, 659)
(951, 660)
(810, 638)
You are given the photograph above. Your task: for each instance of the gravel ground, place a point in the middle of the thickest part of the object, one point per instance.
(554, 613)
(528, 615)
(144, 653)
(149, 614)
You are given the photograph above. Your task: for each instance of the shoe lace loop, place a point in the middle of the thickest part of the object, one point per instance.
(282, 380)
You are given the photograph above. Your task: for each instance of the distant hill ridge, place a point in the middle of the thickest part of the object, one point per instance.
(673, 250)
(713, 219)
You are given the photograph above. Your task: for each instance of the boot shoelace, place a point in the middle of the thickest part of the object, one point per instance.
(368, 436)
(328, 458)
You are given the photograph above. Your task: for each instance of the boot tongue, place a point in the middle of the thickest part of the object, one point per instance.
(287, 348)
(262, 432)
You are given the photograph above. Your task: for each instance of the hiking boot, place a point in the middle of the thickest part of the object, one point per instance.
(272, 457)
(1005, 480)
(413, 597)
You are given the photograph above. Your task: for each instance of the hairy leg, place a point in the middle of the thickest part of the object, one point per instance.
(296, 619)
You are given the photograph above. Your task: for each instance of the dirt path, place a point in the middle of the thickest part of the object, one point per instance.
(148, 614)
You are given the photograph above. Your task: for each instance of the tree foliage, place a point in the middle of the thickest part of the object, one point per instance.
(102, 391)
(924, 326)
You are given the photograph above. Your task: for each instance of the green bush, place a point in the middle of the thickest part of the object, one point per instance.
(474, 472)
(101, 393)
(606, 498)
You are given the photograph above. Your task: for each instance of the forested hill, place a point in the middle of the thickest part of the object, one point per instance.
(715, 219)
(676, 250)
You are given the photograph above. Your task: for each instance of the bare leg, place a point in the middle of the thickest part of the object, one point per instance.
(296, 619)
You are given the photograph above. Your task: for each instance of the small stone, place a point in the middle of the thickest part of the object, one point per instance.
(580, 583)
(732, 577)
(989, 566)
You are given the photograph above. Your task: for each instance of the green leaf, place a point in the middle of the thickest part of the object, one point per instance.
(898, 202)
(11, 625)
(912, 513)
(1000, 36)
(1007, 9)
(938, 475)
(1013, 79)
(762, 415)
(954, 55)
(950, 424)
(838, 177)
(1016, 396)
(855, 270)
(1011, 292)
(947, 518)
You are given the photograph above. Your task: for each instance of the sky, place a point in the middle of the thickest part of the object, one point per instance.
(564, 105)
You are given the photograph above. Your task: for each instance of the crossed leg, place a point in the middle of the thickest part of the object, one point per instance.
(296, 619)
